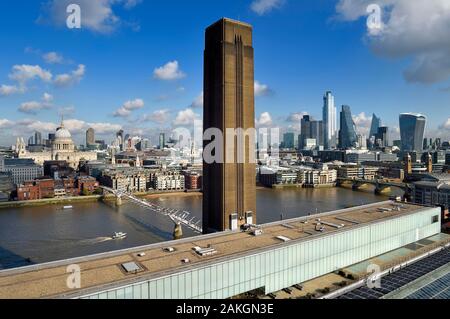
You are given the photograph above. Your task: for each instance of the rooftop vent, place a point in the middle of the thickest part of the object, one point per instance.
(283, 238)
(205, 251)
(131, 267)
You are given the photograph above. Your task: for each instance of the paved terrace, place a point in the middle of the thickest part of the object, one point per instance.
(105, 271)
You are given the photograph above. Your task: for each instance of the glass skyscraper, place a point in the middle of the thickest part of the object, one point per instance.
(289, 140)
(347, 133)
(376, 124)
(412, 130)
(329, 121)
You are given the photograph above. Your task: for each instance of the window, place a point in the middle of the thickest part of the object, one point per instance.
(435, 219)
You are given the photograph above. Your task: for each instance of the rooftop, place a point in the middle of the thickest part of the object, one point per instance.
(105, 271)
(16, 162)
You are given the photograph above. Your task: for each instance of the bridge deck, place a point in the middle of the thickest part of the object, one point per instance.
(104, 270)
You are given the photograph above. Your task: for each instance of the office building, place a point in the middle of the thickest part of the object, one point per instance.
(329, 121)
(362, 141)
(432, 193)
(412, 129)
(167, 181)
(125, 179)
(317, 178)
(162, 141)
(289, 140)
(90, 137)
(310, 129)
(347, 133)
(357, 172)
(229, 103)
(38, 138)
(22, 170)
(382, 137)
(376, 124)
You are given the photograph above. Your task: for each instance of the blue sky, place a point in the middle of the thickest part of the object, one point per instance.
(138, 64)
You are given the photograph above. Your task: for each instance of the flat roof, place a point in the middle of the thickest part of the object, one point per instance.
(105, 271)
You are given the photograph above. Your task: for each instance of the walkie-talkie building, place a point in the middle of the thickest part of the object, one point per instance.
(412, 130)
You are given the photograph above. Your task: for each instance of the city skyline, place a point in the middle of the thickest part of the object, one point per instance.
(150, 91)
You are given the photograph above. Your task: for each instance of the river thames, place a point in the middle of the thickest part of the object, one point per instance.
(48, 233)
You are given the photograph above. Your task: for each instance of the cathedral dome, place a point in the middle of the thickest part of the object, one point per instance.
(62, 133)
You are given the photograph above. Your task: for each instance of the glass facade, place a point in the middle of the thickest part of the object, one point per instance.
(282, 267)
(347, 133)
(376, 124)
(329, 121)
(412, 130)
(289, 140)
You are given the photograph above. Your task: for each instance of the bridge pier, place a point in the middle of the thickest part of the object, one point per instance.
(382, 190)
(119, 201)
(178, 232)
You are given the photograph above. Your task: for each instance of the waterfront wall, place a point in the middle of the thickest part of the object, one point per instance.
(50, 201)
(280, 267)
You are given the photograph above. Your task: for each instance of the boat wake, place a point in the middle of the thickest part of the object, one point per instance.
(94, 241)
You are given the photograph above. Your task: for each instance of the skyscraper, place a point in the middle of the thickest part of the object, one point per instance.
(347, 133)
(120, 138)
(412, 130)
(37, 138)
(376, 124)
(311, 129)
(329, 121)
(317, 132)
(289, 140)
(90, 137)
(162, 141)
(382, 136)
(229, 198)
(305, 129)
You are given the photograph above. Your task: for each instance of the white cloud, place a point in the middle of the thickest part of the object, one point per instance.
(68, 79)
(129, 4)
(261, 89)
(134, 104)
(33, 107)
(129, 106)
(169, 72)
(4, 123)
(97, 16)
(7, 90)
(53, 58)
(185, 117)
(26, 126)
(198, 102)
(159, 116)
(446, 125)
(24, 73)
(363, 123)
(68, 110)
(104, 128)
(265, 119)
(47, 97)
(261, 7)
(296, 117)
(411, 29)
